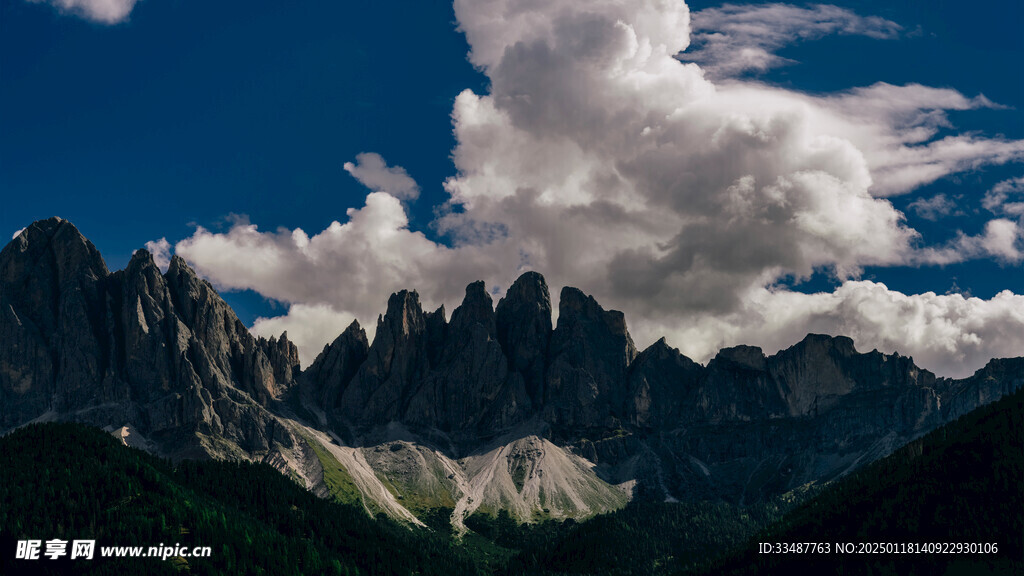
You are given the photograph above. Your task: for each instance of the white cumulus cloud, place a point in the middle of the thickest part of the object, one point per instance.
(102, 11)
(372, 172)
(933, 208)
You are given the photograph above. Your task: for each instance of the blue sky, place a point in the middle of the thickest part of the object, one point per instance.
(214, 114)
(976, 50)
(188, 112)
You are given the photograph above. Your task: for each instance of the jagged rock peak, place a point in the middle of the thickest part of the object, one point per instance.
(353, 334)
(529, 287)
(523, 322)
(114, 348)
(284, 357)
(662, 349)
(589, 355)
(575, 307)
(178, 264)
(662, 386)
(354, 330)
(184, 273)
(999, 365)
(572, 301)
(329, 375)
(144, 291)
(822, 342)
(142, 265)
(45, 229)
(527, 302)
(141, 257)
(353, 337)
(476, 308)
(476, 292)
(404, 314)
(71, 251)
(749, 357)
(48, 228)
(574, 304)
(395, 361)
(439, 314)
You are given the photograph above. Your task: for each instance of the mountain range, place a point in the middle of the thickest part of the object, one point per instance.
(495, 408)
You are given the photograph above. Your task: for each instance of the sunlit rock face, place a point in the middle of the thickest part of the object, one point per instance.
(160, 352)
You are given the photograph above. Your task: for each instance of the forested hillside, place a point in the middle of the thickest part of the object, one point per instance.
(70, 481)
(961, 484)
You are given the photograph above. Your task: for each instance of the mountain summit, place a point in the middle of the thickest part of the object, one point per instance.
(161, 353)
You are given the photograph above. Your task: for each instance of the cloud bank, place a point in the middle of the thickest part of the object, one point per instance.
(601, 160)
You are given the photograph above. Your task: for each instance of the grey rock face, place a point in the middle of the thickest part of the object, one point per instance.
(744, 427)
(227, 343)
(329, 375)
(424, 371)
(663, 387)
(52, 354)
(1001, 376)
(160, 352)
(523, 324)
(738, 386)
(397, 360)
(588, 359)
(821, 369)
(470, 387)
(283, 356)
(749, 426)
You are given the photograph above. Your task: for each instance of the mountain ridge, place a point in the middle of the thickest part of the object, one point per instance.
(164, 356)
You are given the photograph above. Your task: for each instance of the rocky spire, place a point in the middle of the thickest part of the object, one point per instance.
(469, 388)
(283, 356)
(523, 323)
(329, 375)
(662, 386)
(149, 330)
(53, 332)
(396, 360)
(589, 354)
(236, 356)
